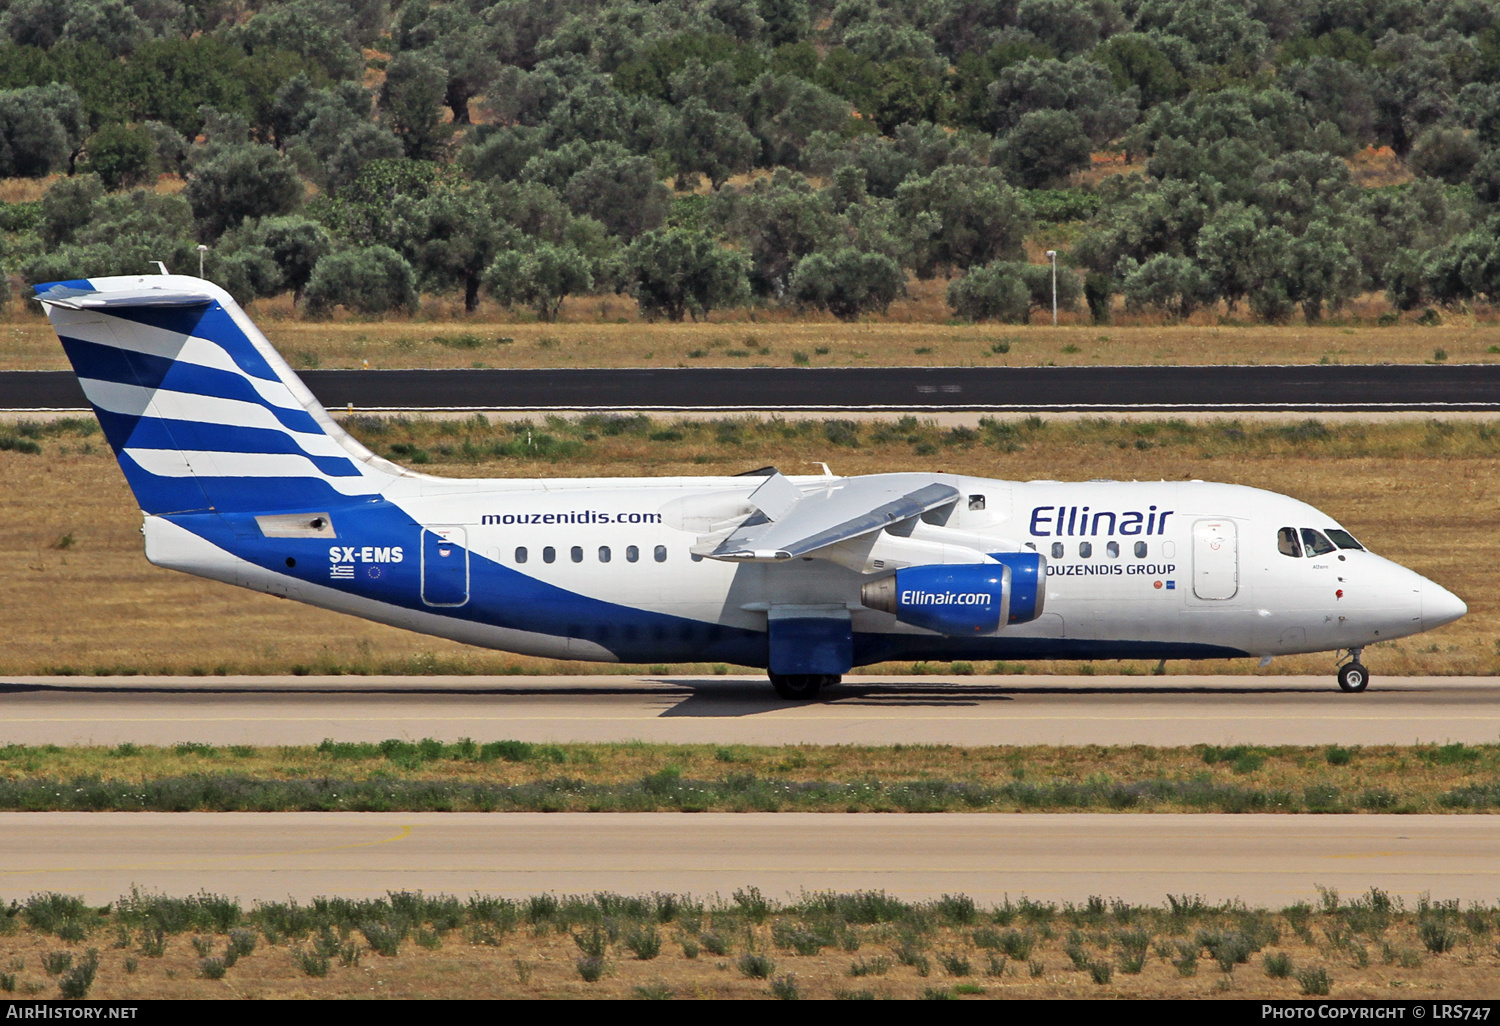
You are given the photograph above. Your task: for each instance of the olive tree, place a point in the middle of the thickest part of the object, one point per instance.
(678, 273)
(541, 278)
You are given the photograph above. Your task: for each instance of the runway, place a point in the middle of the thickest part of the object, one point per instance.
(1311, 388)
(1264, 860)
(1170, 710)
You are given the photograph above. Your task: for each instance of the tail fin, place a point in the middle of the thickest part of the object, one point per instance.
(202, 413)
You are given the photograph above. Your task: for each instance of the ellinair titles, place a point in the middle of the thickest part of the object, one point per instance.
(242, 477)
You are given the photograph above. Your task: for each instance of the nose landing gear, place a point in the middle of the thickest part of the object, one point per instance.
(1353, 677)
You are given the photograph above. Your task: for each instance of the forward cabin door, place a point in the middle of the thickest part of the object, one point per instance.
(1216, 561)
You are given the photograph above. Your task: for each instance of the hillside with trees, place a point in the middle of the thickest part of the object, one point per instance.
(701, 155)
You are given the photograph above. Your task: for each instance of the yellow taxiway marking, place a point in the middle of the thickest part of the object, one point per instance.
(401, 836)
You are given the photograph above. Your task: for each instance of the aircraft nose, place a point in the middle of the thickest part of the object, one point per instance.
(1440, 606)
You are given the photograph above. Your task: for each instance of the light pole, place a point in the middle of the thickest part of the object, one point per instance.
(202, 249)
(1052, 255)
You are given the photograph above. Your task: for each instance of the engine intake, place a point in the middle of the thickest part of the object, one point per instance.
(966, 598)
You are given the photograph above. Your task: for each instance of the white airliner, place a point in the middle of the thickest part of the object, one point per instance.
(244, 478)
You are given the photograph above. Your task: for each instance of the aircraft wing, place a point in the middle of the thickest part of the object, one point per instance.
(790, 523)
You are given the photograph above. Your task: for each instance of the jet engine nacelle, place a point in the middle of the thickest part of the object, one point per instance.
(964, 599)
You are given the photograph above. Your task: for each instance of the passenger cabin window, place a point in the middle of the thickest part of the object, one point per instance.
(1286, 542)
(1086, 550)
(1112, 550)
(661, 553)
(632, 554)
(521, 554)
(576, 553)
(549, 554)
(604, 553)
(1316, 544)
(1057, 550)
(1140, 550)
(976, 502)
(1343, 539)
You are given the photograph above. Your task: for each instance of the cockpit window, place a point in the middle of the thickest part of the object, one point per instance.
(1316, 544)
(1343, 539)
(1286, 542)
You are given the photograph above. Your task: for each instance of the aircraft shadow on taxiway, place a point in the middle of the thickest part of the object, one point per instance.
(708, 697)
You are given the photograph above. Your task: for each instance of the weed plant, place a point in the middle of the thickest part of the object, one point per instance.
(784, 988)
(756, 966)
(76, 983)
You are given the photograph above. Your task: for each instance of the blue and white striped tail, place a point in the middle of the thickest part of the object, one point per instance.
(202, 413)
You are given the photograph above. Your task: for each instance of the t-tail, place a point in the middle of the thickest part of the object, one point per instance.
(202, 413)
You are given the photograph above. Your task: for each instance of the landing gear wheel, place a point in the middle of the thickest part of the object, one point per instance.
(1353, 677)
(799, 687)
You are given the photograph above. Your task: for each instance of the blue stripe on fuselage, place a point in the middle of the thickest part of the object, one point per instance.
(502, 597)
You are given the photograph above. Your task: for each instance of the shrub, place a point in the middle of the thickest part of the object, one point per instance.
(212, 968)
(756, 966)
(75, 985)
(120, 156)
(55, 962)
(241, 942)
(994, 292)
(58, 914)
(1017, 944)
(1101, 972)
(784, 988)
(385, 938)
(591, 970)
(846, 282)
(1278, 966)
(956, 965)
(714, 943)
(877, 966)
(1437, 936)
(241, 181)
(373, 280)
(594, 943)
(1315, 982)
(646, 943)
(153, 942)
(311, 962)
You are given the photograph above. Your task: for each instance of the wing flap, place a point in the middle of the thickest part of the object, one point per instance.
(830, 515)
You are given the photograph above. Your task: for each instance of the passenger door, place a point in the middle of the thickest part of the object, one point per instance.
(445, 566)
(1216, 564)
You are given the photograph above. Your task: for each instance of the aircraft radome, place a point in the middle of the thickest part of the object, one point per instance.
(244, 478)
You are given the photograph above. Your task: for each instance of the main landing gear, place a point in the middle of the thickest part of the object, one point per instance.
(1353, 677)
(802, 687)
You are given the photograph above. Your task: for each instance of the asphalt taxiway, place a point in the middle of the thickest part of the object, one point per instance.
(1264, 860)
(1310, 388)
(1167, 710)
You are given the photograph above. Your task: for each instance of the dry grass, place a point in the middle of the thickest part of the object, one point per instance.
(79, 595)
(606, 331)
(1378, 778)
(824, 946)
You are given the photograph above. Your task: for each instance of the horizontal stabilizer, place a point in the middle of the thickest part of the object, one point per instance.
(92, 299)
